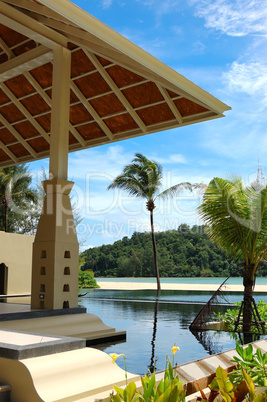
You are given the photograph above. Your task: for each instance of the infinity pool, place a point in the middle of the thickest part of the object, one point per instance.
(153, 327)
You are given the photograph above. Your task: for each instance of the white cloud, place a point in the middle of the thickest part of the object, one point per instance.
(198, 47)
(104, 164)
(239, 139)
(178, 30)
(173, 158)
(158, 43)
(208, 77)
(177, 158)
(163, 7)
(105, 160)
(249, 78)
(167, 6)
(234, 17)
(106, 4)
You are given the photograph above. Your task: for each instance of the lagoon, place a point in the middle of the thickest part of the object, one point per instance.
(153, 328)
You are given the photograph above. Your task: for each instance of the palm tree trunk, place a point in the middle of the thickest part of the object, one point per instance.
(154, 250)
(248, 283)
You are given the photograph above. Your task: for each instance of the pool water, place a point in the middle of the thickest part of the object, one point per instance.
(153, 326)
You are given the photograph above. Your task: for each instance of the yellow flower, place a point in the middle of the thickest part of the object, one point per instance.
(114, 356)
(175, 348)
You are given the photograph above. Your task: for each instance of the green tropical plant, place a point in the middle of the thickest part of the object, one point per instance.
(253, 363)
(223, 387)
(16, 195)
(143, 178)
(241, 384)
(168, 389)
(86, 280)
(236, 218)
(231, 314)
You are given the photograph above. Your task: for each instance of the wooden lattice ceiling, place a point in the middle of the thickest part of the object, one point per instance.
(118, 91)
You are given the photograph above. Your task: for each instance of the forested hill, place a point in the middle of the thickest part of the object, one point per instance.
(181, 253)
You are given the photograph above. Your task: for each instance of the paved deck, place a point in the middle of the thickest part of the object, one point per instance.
(66, 322)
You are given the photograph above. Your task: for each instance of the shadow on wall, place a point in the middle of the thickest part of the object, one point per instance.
(16, 263)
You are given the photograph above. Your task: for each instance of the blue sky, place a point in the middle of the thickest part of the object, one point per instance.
(220, 45)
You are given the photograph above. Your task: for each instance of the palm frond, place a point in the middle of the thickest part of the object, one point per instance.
(176, 189)
(141, 178)
(236, 217)
(128, 183)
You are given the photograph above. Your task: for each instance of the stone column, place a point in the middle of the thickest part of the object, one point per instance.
(55, 250)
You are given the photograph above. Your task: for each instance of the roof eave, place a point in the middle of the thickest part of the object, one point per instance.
(165, 74)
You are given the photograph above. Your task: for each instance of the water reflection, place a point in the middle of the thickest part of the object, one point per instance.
(153, 342)
(205, 338)
(169, 296)
(153, 325)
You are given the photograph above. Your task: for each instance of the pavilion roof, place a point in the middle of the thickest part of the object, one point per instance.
(118, 90)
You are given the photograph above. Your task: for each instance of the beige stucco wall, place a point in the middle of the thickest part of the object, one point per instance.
(16, 253)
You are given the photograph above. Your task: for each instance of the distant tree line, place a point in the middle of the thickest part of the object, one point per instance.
(185, 252)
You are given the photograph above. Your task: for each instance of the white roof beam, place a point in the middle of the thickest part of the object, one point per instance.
(28, 5)
(25, 62)
(48, 100)
(68, 29)
(18, 137)
(137, 57)
(25, 112)
(170, 103)
(8, 152)
(6, 49)
(27, 26)
(117, 91)
(92, 111)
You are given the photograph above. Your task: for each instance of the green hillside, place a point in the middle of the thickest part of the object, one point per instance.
(185, 252)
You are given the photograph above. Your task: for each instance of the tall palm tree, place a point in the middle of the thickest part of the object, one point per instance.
(143, 178)
(236, 218)
(15, 191)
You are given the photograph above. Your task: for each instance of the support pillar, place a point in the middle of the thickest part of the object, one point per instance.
(55, 250)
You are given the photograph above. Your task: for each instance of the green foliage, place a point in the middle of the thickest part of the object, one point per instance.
(254, 364)
(169, 389)
(223, 384)
(87, 280)
(241, 390)
(127, 394)
(183, 252)
(236, 216)
(231, 315)
(237, 386)
(22, 203)
(17, 199)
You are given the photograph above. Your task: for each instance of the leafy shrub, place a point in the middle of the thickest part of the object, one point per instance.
(222, 387)
(237, 386)
(231, 315)
(87, 280)
(168, 389)
(255, 364)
